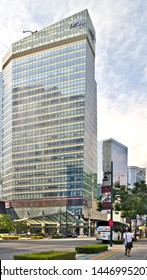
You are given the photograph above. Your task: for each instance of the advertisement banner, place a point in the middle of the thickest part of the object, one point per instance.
(106, 197)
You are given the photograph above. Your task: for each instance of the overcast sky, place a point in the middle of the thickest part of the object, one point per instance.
(121, 60)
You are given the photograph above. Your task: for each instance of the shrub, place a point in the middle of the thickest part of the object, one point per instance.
(91, 249)
(120, 241)
(22, 235)
(41, 234)
(56, 236)
(36, 237)
(49, 255)
(9, 237)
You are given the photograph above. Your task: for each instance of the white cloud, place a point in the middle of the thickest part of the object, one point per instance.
(124, 119)
(121, 55)
(121, 76)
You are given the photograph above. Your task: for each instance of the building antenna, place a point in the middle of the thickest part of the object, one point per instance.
(32, 32)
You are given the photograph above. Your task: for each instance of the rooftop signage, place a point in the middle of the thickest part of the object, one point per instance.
(77, 22)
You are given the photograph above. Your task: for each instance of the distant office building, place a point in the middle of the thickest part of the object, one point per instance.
(111, 150)
(136, 175)
(0, 135)
(50, 119)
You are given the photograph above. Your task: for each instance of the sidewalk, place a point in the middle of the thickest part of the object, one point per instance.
(116, 252)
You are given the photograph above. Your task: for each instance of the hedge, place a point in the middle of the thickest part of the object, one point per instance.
(49, 255)
(36, 237)
(9, 237)
(56, 236)
(91, 249)
(119, 241)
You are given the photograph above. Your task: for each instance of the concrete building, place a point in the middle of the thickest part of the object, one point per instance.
(50, 120)
(136, 175)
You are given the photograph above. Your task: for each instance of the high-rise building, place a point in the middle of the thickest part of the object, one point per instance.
(111, 150)
(112, 161)
(0, 135)
(50, 119)
(136, 175)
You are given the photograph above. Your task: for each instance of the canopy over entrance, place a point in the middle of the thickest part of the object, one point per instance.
(58, 217)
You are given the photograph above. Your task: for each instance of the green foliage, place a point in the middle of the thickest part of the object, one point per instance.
(49, 255)
(36, 237)
(130, 202)
(10, 237)
(140, 197)
(91, 249)
(20, 226)
(99, 203)
(6, 224)
(120, 241)
(56, 236)
(41, 234)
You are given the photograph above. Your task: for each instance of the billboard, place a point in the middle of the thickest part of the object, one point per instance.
(106, 198)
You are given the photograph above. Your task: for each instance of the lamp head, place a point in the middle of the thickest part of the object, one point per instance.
(105, 178)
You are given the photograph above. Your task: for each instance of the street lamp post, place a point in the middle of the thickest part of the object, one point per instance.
(111, 205)
(60, 220)
(88, 223)
(111, 202)
(66, 222)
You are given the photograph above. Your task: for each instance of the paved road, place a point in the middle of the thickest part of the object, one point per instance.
(10, 248)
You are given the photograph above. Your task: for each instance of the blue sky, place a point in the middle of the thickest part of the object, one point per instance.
(121, 60)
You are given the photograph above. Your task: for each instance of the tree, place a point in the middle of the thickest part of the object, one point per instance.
(130, 202)
(124, 201)
(20, 226)
(140, 192)
(6, 224)
(99, 203)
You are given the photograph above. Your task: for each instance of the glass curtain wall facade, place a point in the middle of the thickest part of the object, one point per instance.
(111, 150)
(136, 175)
(0, 135)
(50, 118)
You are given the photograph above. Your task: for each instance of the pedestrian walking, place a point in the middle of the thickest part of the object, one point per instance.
(128, 237)
(126, 230)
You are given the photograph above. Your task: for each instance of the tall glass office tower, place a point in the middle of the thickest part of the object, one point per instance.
(136, 175)
(50, 119)
(0, 135)
(111, 150)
